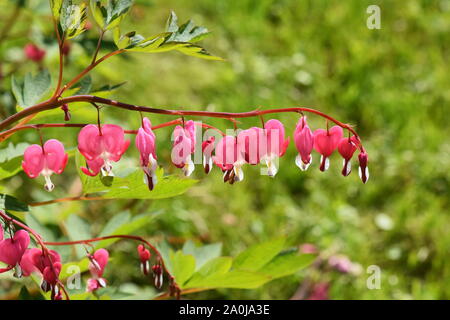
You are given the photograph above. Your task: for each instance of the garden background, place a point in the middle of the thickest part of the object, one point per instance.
(392, 83)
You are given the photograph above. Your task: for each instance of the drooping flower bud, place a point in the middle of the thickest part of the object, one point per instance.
(207, 149)
(304, 142)
(325, 142)
(45, 161)
(363, 169)
(101, 147)
(48, 265)
(146, 144)
(347, 148)
(158, 275)
(65, 108)
(98, 262)
(144, 256)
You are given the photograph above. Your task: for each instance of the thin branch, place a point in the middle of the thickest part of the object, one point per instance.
(97, 49)
(8, 133)
(79, 198)
(87, 70)
(48, 105)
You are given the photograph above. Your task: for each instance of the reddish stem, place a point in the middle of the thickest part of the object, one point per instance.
(48, 105)
(8, 133)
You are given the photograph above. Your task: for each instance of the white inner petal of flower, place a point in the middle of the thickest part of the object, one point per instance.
(189, 167)
(299, 162)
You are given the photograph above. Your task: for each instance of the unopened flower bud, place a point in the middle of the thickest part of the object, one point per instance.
(65, 108)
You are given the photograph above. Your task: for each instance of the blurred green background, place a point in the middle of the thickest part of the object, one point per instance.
(392, 83)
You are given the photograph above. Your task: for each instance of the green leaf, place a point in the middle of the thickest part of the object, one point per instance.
(210, 270)
(187, 32)
(110, 16)
(287, 263)
(31, 89)
(9, 203)
(234, 279)
(182, 266)
(130, 184)
(258, 255)
(55, 5)
(11, 159)
(180, 38)
(73, 18)
(69, 267)
(202, 254)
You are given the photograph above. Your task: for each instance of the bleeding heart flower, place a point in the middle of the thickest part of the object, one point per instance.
(304, 142)
(101, 146)
(229, 160)
(325, 142)
(34, 53)
(347, 147)
(48, 265)
(251, 143)
(207, 150)
(276, 145)
(183, 147)
(12, 249)
(144, 256)
(99, 260)
(34, 260)
(145, 142)
(45, 161)
(363, 169)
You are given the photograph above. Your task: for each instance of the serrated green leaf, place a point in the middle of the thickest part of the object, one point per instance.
(182, 266)
(73, 18)
(258, 255)
(28, 91)
(188, 32)
(110, 16)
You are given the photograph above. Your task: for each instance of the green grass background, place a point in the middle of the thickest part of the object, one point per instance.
(392, 83)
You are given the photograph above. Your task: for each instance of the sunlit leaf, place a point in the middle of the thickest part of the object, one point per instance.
(73, 18)
(258, 255)
(182, 266)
